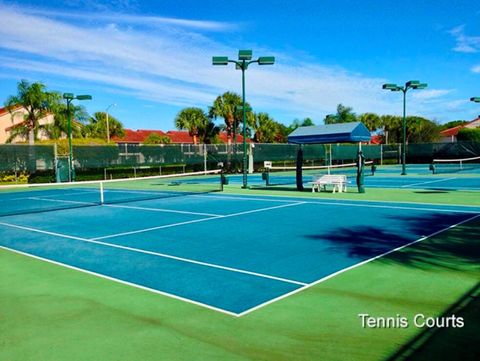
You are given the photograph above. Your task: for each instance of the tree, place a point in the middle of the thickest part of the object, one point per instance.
(452, 124)
(96, 126)
(344, 115)
(194, 120)
(267, 130)
(306, 122)
(59, 128)
(371, 120)
(155, 138)
(225, 106)
(466, 134)
(37, 104)
(421, 130)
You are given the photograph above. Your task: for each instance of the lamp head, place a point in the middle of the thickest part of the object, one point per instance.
(244, 55)
(266, 60)
(475, 99)
(220, 60)
(68, 96)
(390, 86)
(83, 97)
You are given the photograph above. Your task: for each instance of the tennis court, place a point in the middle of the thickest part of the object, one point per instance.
(229, 253)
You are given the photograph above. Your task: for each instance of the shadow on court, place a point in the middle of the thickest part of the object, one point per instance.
(454, 250)
(457, 250)
(448, 343)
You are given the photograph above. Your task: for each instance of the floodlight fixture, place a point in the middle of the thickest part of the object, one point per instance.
(266, 60)
(390, 86)
(220, 60)
(244, 55)
(412, 83)
(68, 96)
(83, 97)
(475, 99)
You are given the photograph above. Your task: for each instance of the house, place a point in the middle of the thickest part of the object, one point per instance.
(450, 135)
(9, 121)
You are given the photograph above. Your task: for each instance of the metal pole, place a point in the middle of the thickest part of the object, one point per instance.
(108, 130)
(244, 128)
(70, 148)
(404, 172)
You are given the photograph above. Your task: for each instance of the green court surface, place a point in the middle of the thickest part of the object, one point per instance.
(50, 312)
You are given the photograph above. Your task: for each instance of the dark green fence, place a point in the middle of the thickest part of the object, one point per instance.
(97, 160)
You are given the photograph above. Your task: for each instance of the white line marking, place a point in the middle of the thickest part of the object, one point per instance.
(196, 221)
(392, 207)
(248, 198)
(64, 201)
(40, 231)
(124, 282)
(352, 267)
(162, 210)
(428, 182)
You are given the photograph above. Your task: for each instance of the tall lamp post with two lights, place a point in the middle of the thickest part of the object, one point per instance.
(69, 97)
(244, 60)
(412, 84)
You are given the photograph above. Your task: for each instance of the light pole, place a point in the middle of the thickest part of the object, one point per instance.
(108, 128)
(69, 97)
(412, 84)
(244, 60)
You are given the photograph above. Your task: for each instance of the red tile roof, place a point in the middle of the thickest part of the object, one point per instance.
(176, 136)
(136, 136)
(454, 131)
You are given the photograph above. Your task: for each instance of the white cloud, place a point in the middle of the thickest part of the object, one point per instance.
(173, 65)
(476, 69)
(430, 94)
(465, 43)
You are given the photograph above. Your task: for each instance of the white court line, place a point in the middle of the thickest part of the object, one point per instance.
(162, 210)
(64, 201)
(197, 221)
(41, 231)
(124, 282)
(248, 198)
(427, 182)
(353, 267)
(158, 254)
(395, 207)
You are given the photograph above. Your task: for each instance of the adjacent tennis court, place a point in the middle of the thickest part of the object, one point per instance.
(230, 253)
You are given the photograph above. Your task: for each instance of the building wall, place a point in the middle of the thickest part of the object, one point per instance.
(8, 120)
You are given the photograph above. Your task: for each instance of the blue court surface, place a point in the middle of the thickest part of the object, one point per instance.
(230, 253)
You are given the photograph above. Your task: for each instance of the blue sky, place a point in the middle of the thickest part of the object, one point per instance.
(153, 58)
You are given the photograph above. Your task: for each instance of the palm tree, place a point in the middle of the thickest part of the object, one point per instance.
(97, 126)
(36, 103)
(266, 129)
(370, 120)
(194, 120)
(225, 106)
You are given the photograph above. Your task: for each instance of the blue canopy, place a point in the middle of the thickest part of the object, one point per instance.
(330, 133)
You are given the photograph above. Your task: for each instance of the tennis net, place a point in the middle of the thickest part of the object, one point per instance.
(287, 175)
(455, 165)
(35, 198)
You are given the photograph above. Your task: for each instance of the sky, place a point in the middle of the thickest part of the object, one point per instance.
(147, 60)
